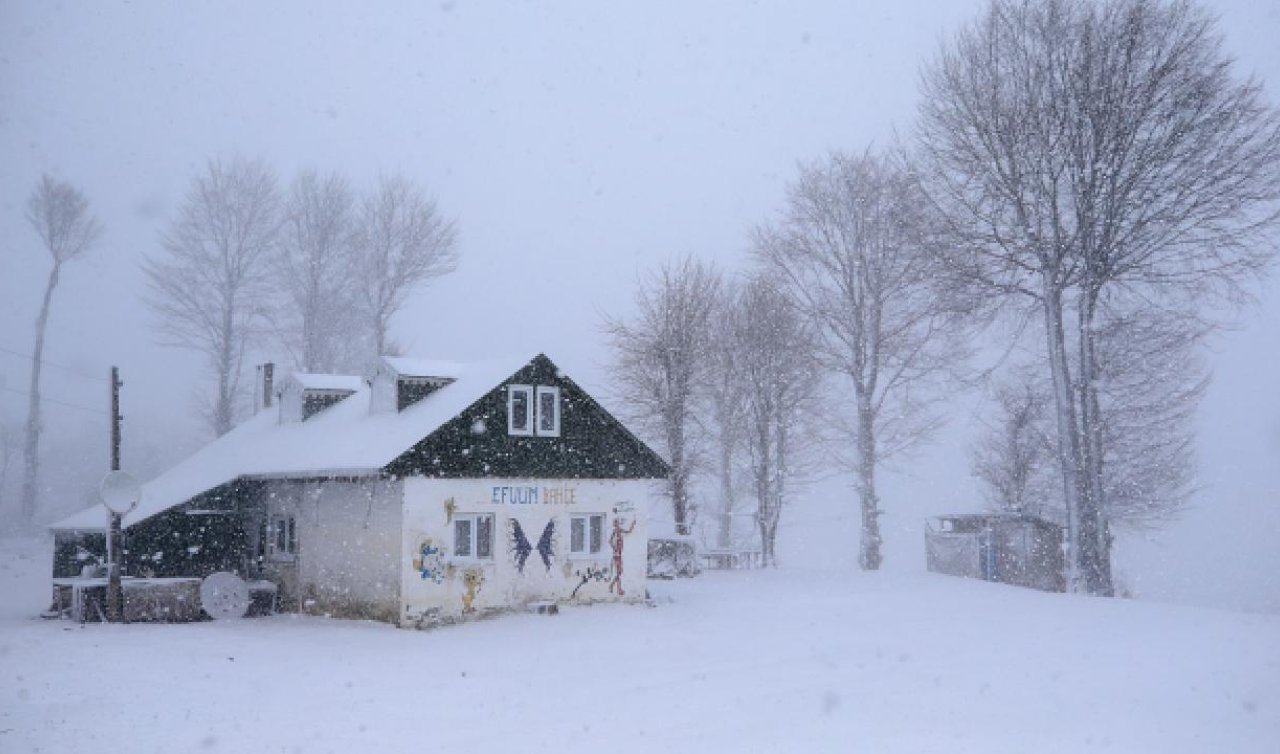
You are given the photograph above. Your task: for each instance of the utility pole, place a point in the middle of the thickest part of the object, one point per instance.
(116, 418)
(115, 537)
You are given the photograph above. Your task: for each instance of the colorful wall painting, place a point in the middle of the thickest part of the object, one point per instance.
(587, 575)
(616, 541)
(521, 547)
(430, 561)
(472, 580)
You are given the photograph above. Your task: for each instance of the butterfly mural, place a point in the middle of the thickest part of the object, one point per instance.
(522, 548)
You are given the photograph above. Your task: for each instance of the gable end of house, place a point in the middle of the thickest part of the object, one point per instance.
(560, 432)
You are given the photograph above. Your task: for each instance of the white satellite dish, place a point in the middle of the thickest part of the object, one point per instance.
(224, 596)
(120, 492)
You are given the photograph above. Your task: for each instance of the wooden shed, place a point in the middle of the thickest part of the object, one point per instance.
(1004, 547)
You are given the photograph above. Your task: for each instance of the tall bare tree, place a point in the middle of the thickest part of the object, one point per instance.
(660, 361)
(211, 289)
(1076, 147)
(852, 250)
(59, 214)
(780, 378)
(725, 405)
(1150, 379)
(313, 260)
(8, 449)
(1014, 457)
(402, 241)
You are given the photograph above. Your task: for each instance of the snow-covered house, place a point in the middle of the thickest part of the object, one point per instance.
(428, 492)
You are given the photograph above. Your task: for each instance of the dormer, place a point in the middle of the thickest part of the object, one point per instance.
(400, 382)
(304, 395)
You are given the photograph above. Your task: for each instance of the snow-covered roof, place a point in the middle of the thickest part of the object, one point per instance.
(337, 382)
(344, 440)
(411, 367)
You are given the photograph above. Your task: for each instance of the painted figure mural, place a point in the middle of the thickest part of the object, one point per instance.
(616, 542)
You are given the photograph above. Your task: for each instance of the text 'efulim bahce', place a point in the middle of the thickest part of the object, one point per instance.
(532, 495)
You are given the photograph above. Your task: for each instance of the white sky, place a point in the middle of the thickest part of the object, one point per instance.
(578, 144)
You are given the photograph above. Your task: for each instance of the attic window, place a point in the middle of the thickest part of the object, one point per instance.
(548, 411)
(533, 410)
(520, 409)
(313, 402)
(410, 390)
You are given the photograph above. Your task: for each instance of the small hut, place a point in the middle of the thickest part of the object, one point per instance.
(1006, 547)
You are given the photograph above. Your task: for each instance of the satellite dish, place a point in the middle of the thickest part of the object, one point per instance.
(224, 596)
(120, 492)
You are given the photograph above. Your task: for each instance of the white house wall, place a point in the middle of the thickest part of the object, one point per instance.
(348, 546)
(438, 585)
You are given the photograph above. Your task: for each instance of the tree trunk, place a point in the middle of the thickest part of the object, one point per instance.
(31, 448)
(679, 474)
(764, 514)
(1094, 553)
(1068, 434)
(379, 336)
(724, 536)
(869, 555)
(310, 346)
(222, 409)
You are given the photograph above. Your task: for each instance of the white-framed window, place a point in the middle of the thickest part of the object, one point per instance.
(586, 534)
(473, 535)
(283, 535)
(519, 409)
(548, 411)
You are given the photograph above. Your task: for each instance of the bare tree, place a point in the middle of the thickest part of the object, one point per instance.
(211, 289)
(402, 241)
(779, 375)
(313, 254)
(659, 360)
(1076, 147)
(852, 250)
(1014, 458)
(725, 401)
(1150, 378)
(59, 214)
(8, 449)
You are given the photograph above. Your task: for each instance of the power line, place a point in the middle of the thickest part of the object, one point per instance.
(71, 370)
(58, 402)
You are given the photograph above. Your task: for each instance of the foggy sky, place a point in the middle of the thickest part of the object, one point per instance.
(578, 144)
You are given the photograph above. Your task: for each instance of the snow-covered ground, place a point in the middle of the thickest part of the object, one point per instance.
(783, 661)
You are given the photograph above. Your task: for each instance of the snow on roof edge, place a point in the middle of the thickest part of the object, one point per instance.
(313, 381)
(345, 437)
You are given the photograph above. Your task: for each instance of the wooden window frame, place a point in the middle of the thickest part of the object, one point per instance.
(529, 413)
(554, 429)
(591, 547)
(472, 520)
